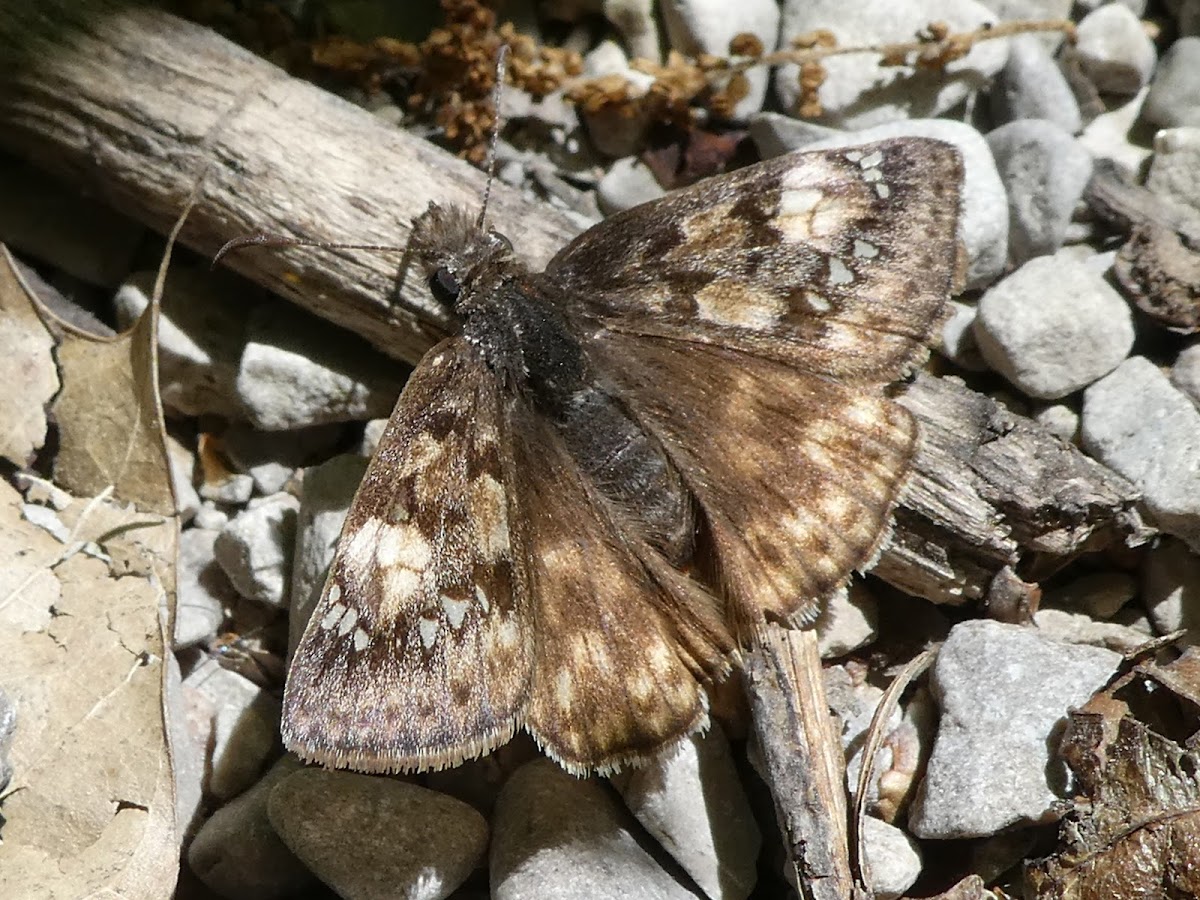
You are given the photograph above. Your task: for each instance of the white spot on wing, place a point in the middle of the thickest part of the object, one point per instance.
(662, 660)
(883, 191)
(361, 640)
(564, 689)
(482, 598)
(400, 545)
(871, 160)
(334, 614)
(490, 507)
(456, 611)
(508, 636)
(423, 451)
(862, 412)
(818, 302)
(739, 306)
(398, 585)
(838, 272)
(335, 592)
(349, 620)
(865, 249)
(428, 629)
(641, 687)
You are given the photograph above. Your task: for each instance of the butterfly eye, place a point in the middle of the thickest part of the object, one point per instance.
(445, 285)
(500, 240)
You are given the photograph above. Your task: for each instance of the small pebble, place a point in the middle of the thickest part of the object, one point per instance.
(1044, 170)
(1171, 588)
(210, 517)
(628, 182)
(1174, 98)
(558, 836)
(246, 726)
(1112, 135)
(372, 432)
(1032, 86)
(894, 858)
(1175, 170)
(848, 620)
(1113, 50)
(1080, 628)
(1053, 326)
(377, 838)
(1002, 689)
(239, 855)
(958, 337)
(1185, 373)
(692, 801)
(1060, 420)
(1136, 423)
(255, 549)
(297, 371)
(202, 589)
(230, 489)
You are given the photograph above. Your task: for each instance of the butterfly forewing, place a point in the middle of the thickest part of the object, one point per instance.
(419, 653)
(836, 261)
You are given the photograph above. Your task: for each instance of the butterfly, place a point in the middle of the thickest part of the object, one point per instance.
(592, 497)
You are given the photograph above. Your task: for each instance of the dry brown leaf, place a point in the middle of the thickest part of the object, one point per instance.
(1135, 830)
(110, 418)
(27, 368)
(90, 810)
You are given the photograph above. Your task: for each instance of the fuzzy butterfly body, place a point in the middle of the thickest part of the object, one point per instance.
(701, 378)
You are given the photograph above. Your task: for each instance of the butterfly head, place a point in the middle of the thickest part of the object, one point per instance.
(449, 247)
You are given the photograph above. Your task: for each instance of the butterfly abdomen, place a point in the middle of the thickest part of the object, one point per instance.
(535, 350)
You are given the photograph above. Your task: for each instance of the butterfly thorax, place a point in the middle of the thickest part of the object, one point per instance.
(541, 359)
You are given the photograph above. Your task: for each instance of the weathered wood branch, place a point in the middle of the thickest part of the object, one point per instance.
(994, 493)
(132, 105)
(800, 755)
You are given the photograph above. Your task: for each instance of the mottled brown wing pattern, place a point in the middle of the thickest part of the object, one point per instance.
(838, 262)
(797, 475)
(742, 331)
(625, 644)
(420, 650)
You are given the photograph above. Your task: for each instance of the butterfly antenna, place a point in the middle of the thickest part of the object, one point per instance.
(265, 239)
(497, 93)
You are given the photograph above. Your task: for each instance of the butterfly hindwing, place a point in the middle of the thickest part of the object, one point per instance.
(797, 475)
(624, 644)
(835, 261)
(419, 652)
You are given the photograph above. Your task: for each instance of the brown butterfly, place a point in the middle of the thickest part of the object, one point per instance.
(698, 379)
